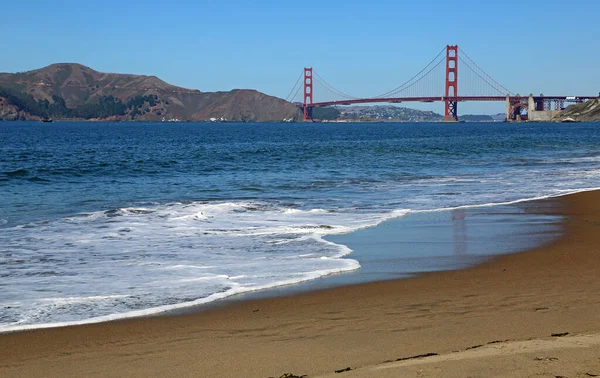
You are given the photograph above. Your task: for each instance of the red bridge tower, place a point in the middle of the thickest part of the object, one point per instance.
(308, 93)
(451, 114)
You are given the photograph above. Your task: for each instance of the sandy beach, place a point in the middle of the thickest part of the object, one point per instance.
(493, 320)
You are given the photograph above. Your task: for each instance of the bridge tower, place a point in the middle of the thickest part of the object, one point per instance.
(308, 93)
(451, 114)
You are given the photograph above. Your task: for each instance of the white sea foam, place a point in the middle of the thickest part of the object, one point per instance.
(143, 260)
(235, 248)
(139, 261)
(349, 265)
(353, 265)
(559, 193)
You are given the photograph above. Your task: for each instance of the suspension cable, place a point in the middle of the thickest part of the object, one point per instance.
(294, 87)
(433, 64)
(421, 78)
(296, 94)
(484, 79)
(333, 89)
(397, 89)
(462, 52)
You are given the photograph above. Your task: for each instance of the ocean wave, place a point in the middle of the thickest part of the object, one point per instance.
(16, 173)
(133, 260)
(167, 222)
(22, 324)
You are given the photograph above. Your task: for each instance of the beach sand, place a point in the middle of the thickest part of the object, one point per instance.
(494, 320)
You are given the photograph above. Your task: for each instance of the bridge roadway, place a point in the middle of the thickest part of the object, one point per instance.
(457, 99)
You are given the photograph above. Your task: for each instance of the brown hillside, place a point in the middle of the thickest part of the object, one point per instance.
(78, 85)
(584, 112)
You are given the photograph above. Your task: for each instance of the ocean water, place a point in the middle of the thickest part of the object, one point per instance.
(106, 220)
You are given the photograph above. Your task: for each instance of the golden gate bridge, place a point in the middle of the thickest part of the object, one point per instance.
(438, 82)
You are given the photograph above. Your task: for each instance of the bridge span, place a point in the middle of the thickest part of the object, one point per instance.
(438, 82)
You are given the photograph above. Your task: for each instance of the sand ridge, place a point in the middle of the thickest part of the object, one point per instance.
(537, 356)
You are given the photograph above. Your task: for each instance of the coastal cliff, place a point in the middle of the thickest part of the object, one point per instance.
(583, 112)
(74, 91)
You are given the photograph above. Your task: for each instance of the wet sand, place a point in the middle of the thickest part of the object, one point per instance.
(495, 319)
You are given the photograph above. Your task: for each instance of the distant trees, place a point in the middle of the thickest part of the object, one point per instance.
(476, 118)
(325, 113)
(139, 101)
(103, 107)
(40, 108)
(58, 109)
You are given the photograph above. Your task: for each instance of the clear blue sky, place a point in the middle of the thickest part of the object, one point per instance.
(363, 48)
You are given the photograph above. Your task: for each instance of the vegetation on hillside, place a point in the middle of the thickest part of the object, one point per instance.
(389, 113)
(325, 113)
(476, 118)
(74, 91)
(103, 107)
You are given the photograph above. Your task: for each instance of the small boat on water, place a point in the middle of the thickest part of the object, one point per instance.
(46, 119)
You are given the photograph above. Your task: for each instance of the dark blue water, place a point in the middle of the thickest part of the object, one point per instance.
(106, 219)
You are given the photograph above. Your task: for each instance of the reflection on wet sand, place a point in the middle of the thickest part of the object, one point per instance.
(459, 227)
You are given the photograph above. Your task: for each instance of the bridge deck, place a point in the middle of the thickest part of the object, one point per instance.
(441, 99)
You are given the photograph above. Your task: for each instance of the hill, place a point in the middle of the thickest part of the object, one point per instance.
(74, 91)
(476, 118)
(380, 113)
(588, 111)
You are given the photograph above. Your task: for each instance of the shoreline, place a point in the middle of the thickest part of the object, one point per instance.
(360, 254)
(518, 296)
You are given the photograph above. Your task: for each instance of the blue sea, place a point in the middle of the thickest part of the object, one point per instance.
(101, 221)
